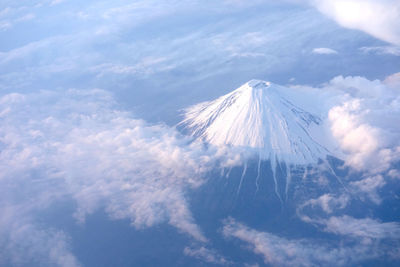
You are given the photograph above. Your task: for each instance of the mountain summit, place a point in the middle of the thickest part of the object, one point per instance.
(261, 116)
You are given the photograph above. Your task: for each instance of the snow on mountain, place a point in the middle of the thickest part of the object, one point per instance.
(261, 116)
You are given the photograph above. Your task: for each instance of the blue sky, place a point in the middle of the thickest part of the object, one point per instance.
(90, 93)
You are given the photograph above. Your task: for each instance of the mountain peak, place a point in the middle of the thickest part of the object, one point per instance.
(258, 116)
(258, 84)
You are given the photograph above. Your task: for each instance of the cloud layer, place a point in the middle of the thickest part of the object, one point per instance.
(76, 146)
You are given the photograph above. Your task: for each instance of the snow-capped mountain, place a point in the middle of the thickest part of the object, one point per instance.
(261, 116)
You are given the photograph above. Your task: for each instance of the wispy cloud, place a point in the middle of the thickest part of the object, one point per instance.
(27, 17)
(365, 228)
(324, 51)
(381, 50)
(26, 243)
(369, 186)
(56, 2)
(4, 25)
(346, 225)
(281, 251)
(206, 255)
(146, 66)
(328, 202)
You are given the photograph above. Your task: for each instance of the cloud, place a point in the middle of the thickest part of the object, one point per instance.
(324, 51)
(75, 145)
(31, 49)
(362, 140)
(381, 50)
(361, 116)
(56, 2)
(124, 160)
(5, 11)
(345, 225)
(328, 202)
(369, 186)
(379, 18)
(206, 255)
(5, 25)
(24, 243)
(393, 81)
(9, 17)
(365, 123)
(395, 174)
(146, 66)
(26, 17)
(366, 227)
(280, 251)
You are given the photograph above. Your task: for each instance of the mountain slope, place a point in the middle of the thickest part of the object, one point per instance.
(259, 116)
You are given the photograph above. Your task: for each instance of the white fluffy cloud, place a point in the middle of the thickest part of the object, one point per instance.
(379, 18)
(366, 122)
(360, 139)
(75, 145)
(362, 117)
